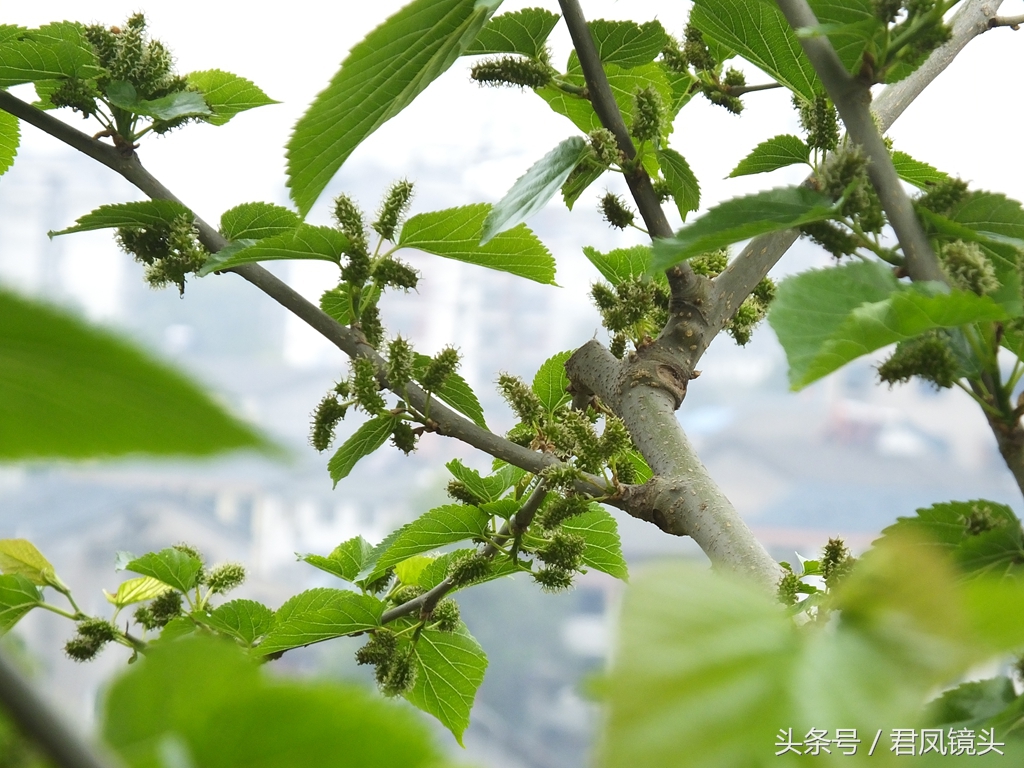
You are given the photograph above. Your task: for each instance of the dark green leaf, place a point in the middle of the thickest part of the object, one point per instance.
(535, 188)
(525, 32)
(551, 382)
(10, 136)
(826, 318)
(849, 25)
(51, 52)
(604, 549)
(244, 620)
(971, 704)
(777, 152)
(170, 107)
(455, 392)
(587, 173)
(227, 94)
(171, 566)
(758, 32)
(18, 596)
(455, 233)
(378, 79)
(367, 439)
(623, 264)
(991, 213)
(255, 221)
(320, 614)
(681, 181)
(921, 175)
(449, 669)
(216, 710)
(346, 561)
(437, 570)
(490, 488)
(306, 242)
(433, 529)
(145, 213)
(70, 390)
(742, 218)
(627, 43)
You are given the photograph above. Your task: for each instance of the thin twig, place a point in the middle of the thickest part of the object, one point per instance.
(1013, 22)
(739, 90)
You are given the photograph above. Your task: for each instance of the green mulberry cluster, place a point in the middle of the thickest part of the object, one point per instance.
(514, 71)
(394, 661)
(634, 310)
(968, 268)
(648, 114)
(393, 209)
(225, 578)
(819, 120)
(836, 562)
(169, 252)
(928, 357)
(92, 635)
(160, 611)
(615, 211)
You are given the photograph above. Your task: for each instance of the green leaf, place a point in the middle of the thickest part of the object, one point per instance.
(245, 620)
(143, 214)
(347, 559)
(586, 174)
(455, 233)
(490, 488)
(777, 152)
(437, 570)
(826, 318)
(758, 32)
(551, 382)
(215, 708)
(850, 26)
(305, 242)
(337, 302)
(227, 94)
(604, 549)
(680, 179)
(455, 392)
(136, 591)
(921, 175)
(18, 596)
(990, 213)
(171, 566)
(367, 439)
(20, 556)
(255, 221)
(741, 219)
(170, 107)
(378, 79)
(450, 667)
(409, 571)
(320, 614)
(51, 52)
(971, 704)
(10, 137)
(525, 32)
(70, 390)
(433, 529)
(535, 188)
(623, 264)
(627, 43)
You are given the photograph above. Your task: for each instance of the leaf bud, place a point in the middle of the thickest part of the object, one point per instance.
(400, 359)
(164, 608)
(514, 71)
(928, 356)
(696, 52)
(468, 568)
(605, 146)
(615, 212)
(446, 615)
(553, 579)
(325, 419)
(224, 578)
(395, 274)
(393, 209)
(521, 398)
(648, 112)
(968, 267)
(365, 387)
(460, 492)
(404, 437)
(440, 368)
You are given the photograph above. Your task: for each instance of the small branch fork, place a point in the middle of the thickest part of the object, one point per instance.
(1013, 22)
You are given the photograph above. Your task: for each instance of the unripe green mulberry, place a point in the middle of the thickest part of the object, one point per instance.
(446, 615)
(165, 608)
(379, 649)
(820, 120)
(968, 267)
(365, 387)
(886, 11)
(564, 550)
(371, 326)
(615, 212)
(404, 437)
(586, 444)
(99, 630)
(350, 221)
(188, 549)
(325, 419)
(393, 273)
(696, 52)
(673, 57)
(521, 398)
(440, 369)
(82, 649)
(718, 96)
(836, 562)
(561, 476)
(615, 439)
(832, 238)
(224, 578)
(512, 71)
(559, 510)
(400, 359)
(77, 95)
(399, 675)
(467, 569)
(460, 492)
(648, 112)
(553, 579)
(928, 356)
(605, 146)
(788, 588)
(393, 209)
(943, 196)
(981, 520)
(618, 346)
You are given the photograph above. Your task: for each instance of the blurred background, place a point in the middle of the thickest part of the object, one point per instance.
(843, 457)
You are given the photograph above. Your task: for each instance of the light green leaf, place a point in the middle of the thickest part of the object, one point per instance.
(535, 188)
(244, 620)
(227, 94)
(455, 392)
(320, 614)
(51, 52)
(347, 559)
(136, 591)
(627, 43)
(433, 529)
(826, 318)
(623, 264)
(70, 390)
(18, 596)
(741, 219)
(990, 213)
(216, 708)
(10, 137)
(586, 174)
(142, 214)
(850, 26)
(680, 179)
(757, 31)
(20, 556)
(550, 382)
(367, 439)
(337, 302)
(170, 107)
(305, 242)
(921, 175)
(171, 566)
(409, 570)
(378, 79)
(777, 152)
(490, 488)
(455, 233)
(450, 667)
(525, 32)
(604, 549)
(255, 221)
